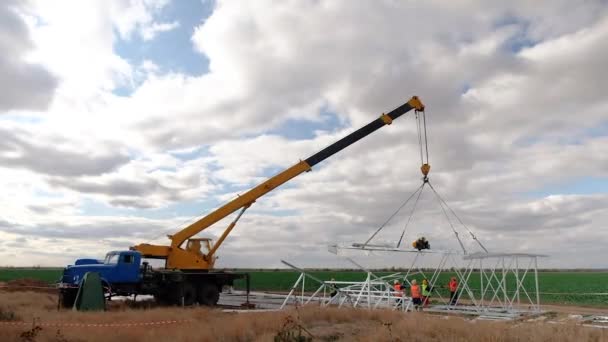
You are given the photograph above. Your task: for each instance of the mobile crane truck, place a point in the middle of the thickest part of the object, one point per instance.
(189, 276)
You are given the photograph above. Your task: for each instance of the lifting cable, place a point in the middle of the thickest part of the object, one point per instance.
(424, 152)
(393, 215)
(419, 133)
(422, 137)
(426, 144)
(411, 214)
(459, 220)
(422, 141)
(448, 218)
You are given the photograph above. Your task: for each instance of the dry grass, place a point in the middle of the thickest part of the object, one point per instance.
(214, 325)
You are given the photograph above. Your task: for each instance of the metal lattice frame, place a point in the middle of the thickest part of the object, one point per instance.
(373, 293)
(494, 279)
(503, 293)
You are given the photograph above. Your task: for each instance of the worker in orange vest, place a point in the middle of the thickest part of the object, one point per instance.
(399, 292)
(453, 286)
(416, 297)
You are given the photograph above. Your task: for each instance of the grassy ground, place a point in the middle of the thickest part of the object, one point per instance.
(42, 322)
(555, 287)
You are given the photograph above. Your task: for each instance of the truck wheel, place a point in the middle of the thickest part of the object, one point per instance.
(208, 294)
(67, 298)
(189, 293)
(162, 299)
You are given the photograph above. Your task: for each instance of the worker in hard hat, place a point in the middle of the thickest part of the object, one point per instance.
(416, 295)
(398, 288)
(426, 292)
(453, 286)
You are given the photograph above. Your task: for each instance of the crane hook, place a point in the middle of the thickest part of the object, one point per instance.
(425, 168)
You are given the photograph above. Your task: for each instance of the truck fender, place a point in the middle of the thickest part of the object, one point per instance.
(106, 285)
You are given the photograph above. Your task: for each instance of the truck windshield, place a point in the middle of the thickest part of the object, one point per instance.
(111, 259)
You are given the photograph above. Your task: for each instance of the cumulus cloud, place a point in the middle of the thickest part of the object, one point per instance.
(151, 182)
(24, 85)
(514, 99)
(139, 17)
(27, 149)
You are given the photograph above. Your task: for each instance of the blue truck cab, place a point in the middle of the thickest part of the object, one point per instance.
(118, 267)
(127, 273)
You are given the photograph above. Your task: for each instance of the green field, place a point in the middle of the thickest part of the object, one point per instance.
(555, 287)
(49, 275)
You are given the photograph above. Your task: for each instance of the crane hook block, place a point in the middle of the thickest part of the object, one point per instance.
(425, 168)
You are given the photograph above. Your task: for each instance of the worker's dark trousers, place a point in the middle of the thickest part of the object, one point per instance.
(453, 297)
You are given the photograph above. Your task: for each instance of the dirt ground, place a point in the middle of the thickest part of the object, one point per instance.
(20, 285)
(33, 316)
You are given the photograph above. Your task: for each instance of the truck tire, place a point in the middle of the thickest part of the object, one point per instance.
(173, 295)
(67, 297)
(189, 293)
(162, 299)
(208, 294)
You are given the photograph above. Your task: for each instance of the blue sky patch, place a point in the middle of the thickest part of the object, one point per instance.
(299, 129)
(173, 50)
(194, 153)
(21, 118)
(194, 208)
(600, 130)
(520, 40)
(581, 186)
(574, 137)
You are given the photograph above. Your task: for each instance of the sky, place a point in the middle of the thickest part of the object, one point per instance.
(122, 121)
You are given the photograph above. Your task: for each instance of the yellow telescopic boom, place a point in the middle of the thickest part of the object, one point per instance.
(192, 258)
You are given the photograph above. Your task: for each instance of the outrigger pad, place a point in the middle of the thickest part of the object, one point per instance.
(90, 294)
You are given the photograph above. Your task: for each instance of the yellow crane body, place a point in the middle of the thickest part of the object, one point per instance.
(191, 257)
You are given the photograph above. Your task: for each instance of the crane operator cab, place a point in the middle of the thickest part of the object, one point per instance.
(200, 246)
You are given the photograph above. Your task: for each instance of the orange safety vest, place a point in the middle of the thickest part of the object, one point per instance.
(415, 289)
(453, 285)
(397, 287)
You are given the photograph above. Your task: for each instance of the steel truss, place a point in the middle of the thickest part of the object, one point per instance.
(506, 286)
(374, 292)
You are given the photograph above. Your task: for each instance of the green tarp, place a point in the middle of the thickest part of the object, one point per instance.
(90, 294)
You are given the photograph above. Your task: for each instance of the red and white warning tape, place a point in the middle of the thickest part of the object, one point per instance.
(95, 325)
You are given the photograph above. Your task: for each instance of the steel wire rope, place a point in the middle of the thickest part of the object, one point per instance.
(393, 215)
(459, 220)
(419, 132)
(448, 218)
(426, 144)
(422, 161)
(411, 214)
